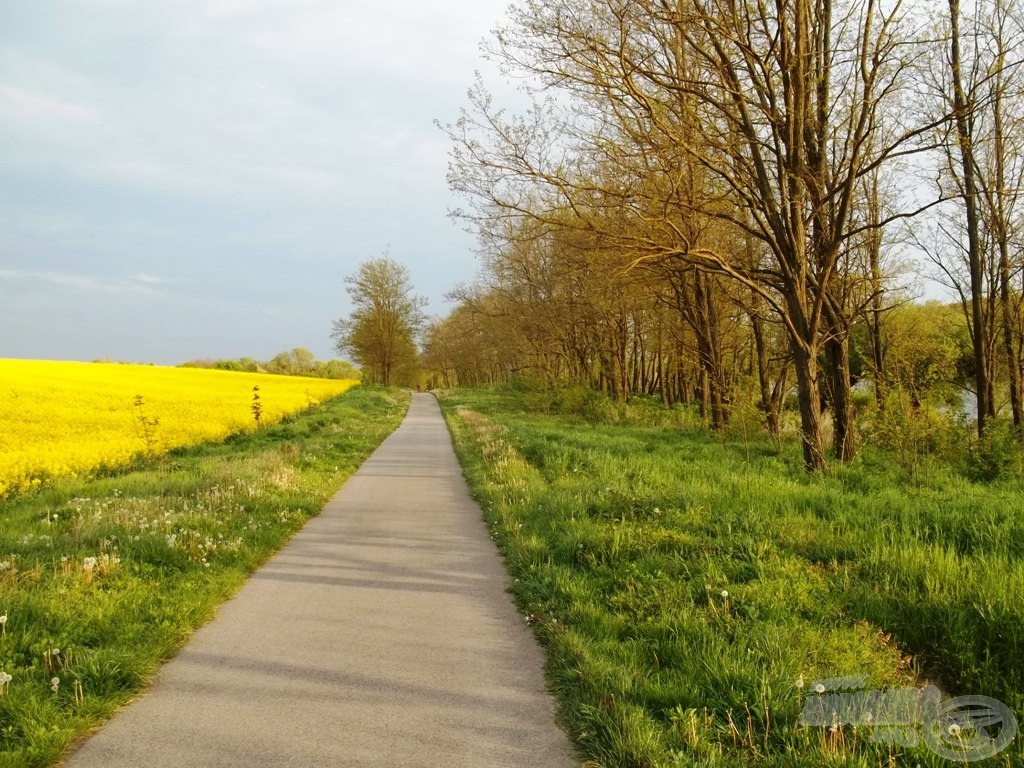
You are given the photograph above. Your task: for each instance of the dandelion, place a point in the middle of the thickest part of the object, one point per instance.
(819, 688)
(954, 730)
(54, 684)
(88, 564)
(800, 683)
(4, 680)
(725, 594)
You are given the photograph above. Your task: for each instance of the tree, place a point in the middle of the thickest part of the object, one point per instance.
(380, 334)
(298, 361)
(711, 124)
(981, 79)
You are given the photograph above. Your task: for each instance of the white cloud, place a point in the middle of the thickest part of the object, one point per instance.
(244, 147)
(135, 284)
(35, 109)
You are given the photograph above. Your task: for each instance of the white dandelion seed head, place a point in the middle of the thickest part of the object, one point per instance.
(54, 681)
(819, 688)
(725, 593)
(3, 619)
(800, 682)
(954, 729)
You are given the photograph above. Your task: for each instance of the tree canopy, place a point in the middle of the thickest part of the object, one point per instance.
(381, 332)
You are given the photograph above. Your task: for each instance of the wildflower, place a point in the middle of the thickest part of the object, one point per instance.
(88, 564)
(4, 680)
(54, 684)
(800, 683)
(819, 688)
(954, 730)
(725, 593)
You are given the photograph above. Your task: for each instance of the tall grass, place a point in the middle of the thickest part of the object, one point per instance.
(101, 581)
(689, 589)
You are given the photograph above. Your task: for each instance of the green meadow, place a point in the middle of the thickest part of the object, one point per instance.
(102, 580)
(691, 589)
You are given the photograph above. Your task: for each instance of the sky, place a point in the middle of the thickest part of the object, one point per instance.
(184, 179)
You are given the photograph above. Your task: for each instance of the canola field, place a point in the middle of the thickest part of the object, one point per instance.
(63, 419)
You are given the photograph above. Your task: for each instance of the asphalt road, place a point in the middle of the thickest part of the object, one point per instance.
(381, 635)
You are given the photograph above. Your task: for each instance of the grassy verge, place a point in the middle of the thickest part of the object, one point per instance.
(101, 581)
(690, 590)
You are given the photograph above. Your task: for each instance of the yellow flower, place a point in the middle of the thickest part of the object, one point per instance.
(65, 419)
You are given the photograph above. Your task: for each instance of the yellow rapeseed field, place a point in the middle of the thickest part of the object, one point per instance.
(60, 419)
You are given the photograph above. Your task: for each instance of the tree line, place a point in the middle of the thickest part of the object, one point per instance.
(710, 201)
(297, 361)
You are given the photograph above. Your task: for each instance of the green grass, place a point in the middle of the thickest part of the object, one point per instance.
(117, 572)
(682, 584)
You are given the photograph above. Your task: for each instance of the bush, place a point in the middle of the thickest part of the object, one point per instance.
(995, 455)
(914, 436)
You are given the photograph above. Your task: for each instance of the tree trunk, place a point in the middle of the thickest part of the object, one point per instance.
(806, 365)
(768, 403)
(837, 356)
(962, 114)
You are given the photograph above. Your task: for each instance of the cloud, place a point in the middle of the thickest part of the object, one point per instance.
(34, 109)
(255, 149)
(135, 284)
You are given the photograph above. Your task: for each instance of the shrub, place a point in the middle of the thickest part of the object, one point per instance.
(914, 436)
(995, 455)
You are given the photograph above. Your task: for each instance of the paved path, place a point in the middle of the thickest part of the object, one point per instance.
(381, 635)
